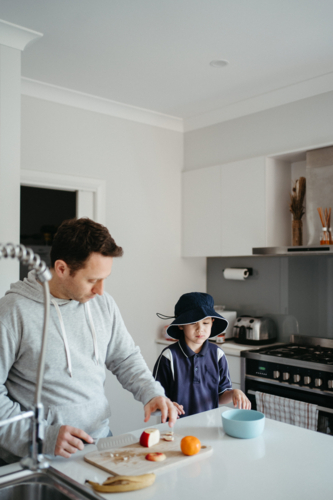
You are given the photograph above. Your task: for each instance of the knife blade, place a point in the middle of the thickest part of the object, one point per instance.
(115, 441)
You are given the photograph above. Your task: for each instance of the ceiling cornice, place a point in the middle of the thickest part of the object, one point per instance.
(60, 95)
(278, 97)
(16, 37)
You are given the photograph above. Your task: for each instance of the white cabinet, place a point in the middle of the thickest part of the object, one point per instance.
(234, 363)
(201, 209)
(229, 209)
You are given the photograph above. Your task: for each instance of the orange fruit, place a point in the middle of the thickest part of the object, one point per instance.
(190, 445)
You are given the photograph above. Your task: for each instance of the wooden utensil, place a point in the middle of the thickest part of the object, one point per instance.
(130, 460)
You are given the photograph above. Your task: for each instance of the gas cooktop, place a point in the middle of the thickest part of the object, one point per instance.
(314, 354)
(301, 351)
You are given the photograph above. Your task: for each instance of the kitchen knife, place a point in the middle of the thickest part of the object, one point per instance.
(115, 442)
(118, 441)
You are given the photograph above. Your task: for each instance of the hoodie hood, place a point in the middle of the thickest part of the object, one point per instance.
(32, 289)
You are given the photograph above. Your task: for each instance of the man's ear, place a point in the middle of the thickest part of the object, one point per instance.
(61, 268)
(180, 327)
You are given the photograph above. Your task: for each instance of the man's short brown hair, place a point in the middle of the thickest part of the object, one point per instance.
(76, 239)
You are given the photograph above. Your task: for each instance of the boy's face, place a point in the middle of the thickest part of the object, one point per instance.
(197, 333)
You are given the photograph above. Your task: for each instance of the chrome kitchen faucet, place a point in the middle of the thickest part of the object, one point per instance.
(35, 460)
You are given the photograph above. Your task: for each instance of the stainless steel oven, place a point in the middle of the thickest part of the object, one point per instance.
(301, 370)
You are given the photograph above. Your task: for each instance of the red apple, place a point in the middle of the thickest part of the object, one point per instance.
(149, 437)
(155, 457)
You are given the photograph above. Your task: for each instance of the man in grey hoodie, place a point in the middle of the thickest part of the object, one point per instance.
(86, 333)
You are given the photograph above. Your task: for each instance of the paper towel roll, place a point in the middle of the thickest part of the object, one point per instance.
(235, 273)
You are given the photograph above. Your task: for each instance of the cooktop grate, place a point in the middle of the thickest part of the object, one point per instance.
(314, 354)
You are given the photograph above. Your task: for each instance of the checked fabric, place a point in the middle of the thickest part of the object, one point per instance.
(288, 411)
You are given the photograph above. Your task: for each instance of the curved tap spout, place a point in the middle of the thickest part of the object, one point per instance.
(36, 459)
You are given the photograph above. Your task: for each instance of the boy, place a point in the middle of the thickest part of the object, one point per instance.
(194, 372)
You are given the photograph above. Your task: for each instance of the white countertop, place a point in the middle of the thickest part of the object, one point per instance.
(284, 463)
(229, 347)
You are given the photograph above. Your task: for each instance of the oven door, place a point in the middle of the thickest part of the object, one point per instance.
(324, 401)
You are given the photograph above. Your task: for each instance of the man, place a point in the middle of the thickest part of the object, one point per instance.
(86, 332)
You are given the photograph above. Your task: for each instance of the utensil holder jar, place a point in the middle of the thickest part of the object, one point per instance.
(326, 236)
(297, 233)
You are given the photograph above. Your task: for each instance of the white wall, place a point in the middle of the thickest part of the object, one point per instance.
(296, 126)
(10, 124)
(141, 165)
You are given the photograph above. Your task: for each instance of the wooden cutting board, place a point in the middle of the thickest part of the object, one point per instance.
(130, 460)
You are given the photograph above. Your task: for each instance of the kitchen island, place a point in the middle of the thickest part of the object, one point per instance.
(285, 462)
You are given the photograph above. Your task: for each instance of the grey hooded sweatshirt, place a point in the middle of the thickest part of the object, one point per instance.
(83, 339)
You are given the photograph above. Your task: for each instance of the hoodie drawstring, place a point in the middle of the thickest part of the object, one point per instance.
(93, 331)
(64, 336)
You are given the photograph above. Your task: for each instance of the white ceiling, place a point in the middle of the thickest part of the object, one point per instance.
(155, 54)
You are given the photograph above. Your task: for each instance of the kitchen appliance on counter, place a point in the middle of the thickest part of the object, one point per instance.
(301, 370)
(254, 330)
(231, 317)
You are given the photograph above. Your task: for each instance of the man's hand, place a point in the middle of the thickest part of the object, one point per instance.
(167, 409)
(70, 440)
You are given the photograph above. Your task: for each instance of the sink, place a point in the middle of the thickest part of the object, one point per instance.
(48, 484)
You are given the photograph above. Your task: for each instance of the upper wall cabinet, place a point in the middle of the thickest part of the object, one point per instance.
(229, 209)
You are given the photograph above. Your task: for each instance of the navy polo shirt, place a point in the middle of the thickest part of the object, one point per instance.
(193, 380)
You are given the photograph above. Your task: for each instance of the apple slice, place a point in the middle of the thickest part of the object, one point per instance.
(155, 457)
(168, 438)
(149, 437)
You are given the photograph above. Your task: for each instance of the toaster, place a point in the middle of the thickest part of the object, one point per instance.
(254, 330)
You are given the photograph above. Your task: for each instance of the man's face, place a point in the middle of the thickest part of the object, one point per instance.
(88, 281)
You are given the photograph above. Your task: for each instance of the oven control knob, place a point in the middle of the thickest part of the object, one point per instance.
(297, 378)
(318, 382)
(330, 384)
(276, 374)
(307, 380)
(286, 376)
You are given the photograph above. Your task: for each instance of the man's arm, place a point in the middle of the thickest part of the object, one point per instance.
(14, 438)
(124, 359)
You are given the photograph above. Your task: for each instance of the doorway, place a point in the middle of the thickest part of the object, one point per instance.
(42, 211)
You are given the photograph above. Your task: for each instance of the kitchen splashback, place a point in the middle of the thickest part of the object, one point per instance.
(297, 292)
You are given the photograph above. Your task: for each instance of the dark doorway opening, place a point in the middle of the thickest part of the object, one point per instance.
(42, 211)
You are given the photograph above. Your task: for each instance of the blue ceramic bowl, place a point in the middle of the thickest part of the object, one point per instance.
(243, 424)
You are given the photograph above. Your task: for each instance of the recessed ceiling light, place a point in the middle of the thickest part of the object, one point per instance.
(219, 63)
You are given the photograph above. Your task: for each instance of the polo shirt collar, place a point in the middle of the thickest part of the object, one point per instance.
(188, 352)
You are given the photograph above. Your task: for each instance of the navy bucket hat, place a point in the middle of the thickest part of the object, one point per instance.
(191, 308)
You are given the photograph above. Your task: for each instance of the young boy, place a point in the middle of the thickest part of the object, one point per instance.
(194, 372)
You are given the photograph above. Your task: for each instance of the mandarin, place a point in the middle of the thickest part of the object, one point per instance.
(190, 445)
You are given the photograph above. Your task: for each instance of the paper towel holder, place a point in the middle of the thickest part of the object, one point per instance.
(249, 270)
